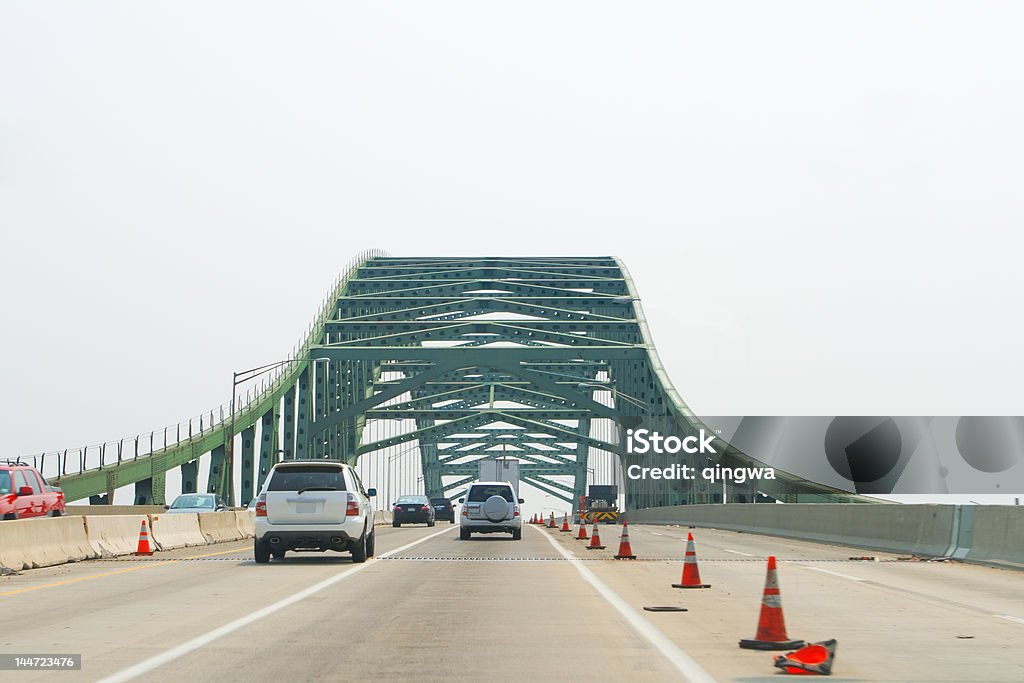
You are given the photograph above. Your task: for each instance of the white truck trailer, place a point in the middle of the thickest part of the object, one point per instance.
(501, 469)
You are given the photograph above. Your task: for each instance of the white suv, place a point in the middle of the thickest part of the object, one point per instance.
(489, 507)
(313, 506)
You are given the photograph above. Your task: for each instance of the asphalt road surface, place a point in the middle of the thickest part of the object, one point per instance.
(434, 608)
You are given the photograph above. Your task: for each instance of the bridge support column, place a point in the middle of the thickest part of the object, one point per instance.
(145, 491)
(214, 479)
(190, 477)
(248, 464)
(302, 437)
(268, 446)
(289, 424)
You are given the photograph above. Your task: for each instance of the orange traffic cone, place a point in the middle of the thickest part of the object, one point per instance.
(533, 520)
(144, 547)
(625, 552)
(551, 522)
(565, 523)
(691, 574)
(595, 540)
(771, 627)
(816, 658)
(581, 533)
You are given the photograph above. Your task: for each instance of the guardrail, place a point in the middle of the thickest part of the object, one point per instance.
(986, 534)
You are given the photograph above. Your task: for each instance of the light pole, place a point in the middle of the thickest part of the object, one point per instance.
(227, 479)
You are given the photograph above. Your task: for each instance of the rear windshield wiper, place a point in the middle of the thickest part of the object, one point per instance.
(317, 488)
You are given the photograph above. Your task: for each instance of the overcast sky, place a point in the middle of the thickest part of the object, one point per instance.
(820, 203)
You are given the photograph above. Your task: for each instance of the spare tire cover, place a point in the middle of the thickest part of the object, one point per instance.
(495, 508)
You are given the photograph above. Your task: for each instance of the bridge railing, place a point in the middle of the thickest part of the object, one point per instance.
(70, 461)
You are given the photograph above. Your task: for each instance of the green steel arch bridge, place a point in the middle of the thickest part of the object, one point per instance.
(416, 368)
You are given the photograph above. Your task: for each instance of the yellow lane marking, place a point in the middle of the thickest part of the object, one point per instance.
(117, 571)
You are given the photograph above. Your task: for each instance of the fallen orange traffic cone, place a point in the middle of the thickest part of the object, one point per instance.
(581, 533)
(816, 658)
(595, 540)
(771, 627)
(565, 523)
(691, 574)
(625, 552)
(144, 547)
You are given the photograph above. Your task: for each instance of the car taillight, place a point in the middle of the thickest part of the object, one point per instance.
(352, 509)
(465, 511)
(396, 509)
(424, 509)
(517, 512)
(261, 507)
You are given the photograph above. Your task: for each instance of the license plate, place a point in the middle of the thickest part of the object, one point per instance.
(305, 507)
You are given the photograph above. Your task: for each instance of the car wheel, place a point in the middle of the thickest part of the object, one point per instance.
(517, 535)
(430, 522)
(464, 534)
(11, 515)
(55, 513)
(359, 550)
(260, 552)
(397, 525)
(371, 544)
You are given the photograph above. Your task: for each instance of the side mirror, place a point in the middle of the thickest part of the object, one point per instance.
(25, 491)
(462, 500)
(371, 492)
(167, 507)
(521, 501)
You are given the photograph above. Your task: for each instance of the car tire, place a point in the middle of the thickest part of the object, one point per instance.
(430, 522)
(397, 525)
(463, 534)
(260, 552)
(55, 513)
(359, 550)
(517, 535)
(371, 545)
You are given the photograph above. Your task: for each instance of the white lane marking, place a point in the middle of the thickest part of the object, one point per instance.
(1009, 618)
(691, 670)
(826, 571)
(737, 552)
(655, 533)
(147, 665)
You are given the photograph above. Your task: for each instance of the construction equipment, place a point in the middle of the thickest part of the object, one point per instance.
(601, 505)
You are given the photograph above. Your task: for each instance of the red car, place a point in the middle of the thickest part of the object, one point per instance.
(24, 493)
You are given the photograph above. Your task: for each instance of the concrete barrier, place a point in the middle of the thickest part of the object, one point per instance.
(245, 520)
(176, 531)
(111, 535)
(918, 529)
(32, 543)
(994, 536)
(219, 526)
(382, 518)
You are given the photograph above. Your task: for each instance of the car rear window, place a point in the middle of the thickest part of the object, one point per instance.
(412, 499)
(439, 501)
(5, 482)
(298, 478)
(479, 494)
(199, 501)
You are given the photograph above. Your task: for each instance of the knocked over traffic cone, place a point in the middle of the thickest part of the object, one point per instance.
(595, 540)
(771, 627)
(625, 552)
(691, 574)
(565, 523)
(816, 658)
(581, 533)
(144, 547)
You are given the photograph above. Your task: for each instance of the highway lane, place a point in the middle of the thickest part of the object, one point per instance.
(446, 609)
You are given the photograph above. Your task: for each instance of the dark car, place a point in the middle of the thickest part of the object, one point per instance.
(443, 509)
(412, 510)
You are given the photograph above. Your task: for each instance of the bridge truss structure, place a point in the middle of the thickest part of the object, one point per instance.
(416, 368)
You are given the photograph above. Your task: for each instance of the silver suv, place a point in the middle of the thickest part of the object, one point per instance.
(490, 507)
(313, 506)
